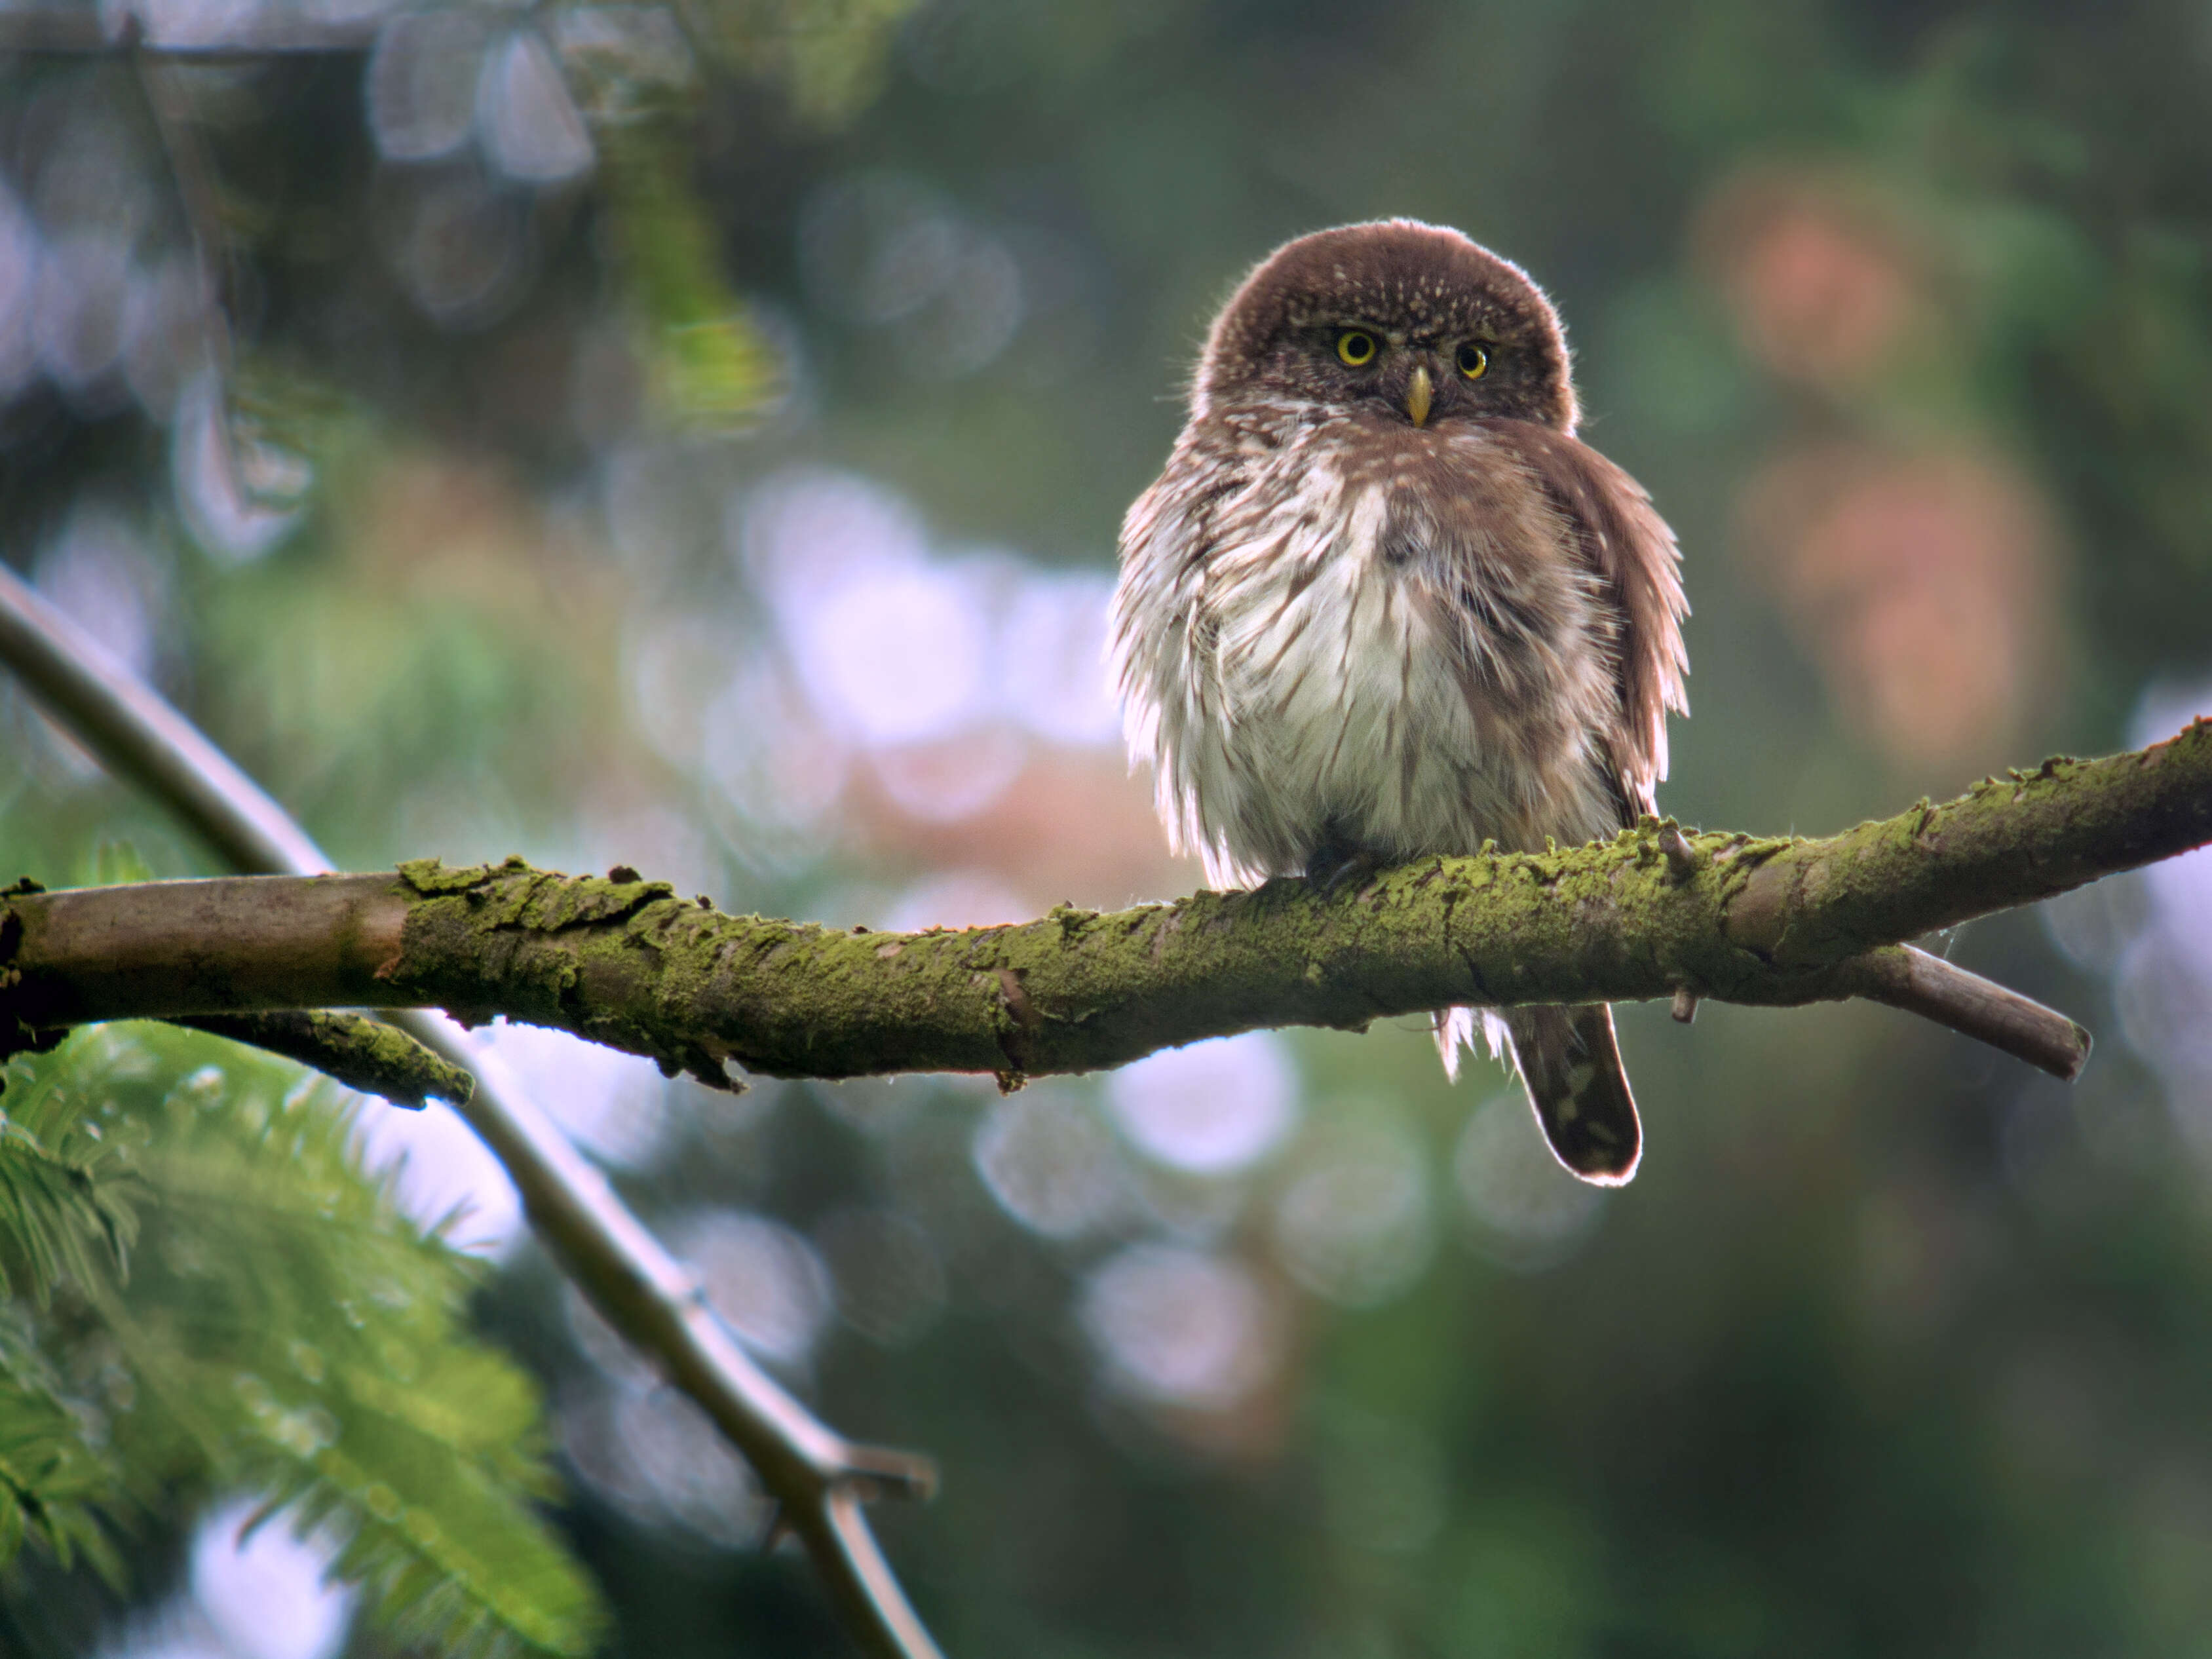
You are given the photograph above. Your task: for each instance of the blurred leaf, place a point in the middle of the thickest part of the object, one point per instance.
(115, 862)
(715, 372)
(623, 62)
(290, 1331)
(827, 55)
(55, 1479)
(707, 365)
(706, 361)
(282, 421)
(65, 1207)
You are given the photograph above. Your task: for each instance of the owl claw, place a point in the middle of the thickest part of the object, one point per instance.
(1328, 872)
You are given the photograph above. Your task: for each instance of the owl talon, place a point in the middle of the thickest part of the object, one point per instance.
(1328, 873)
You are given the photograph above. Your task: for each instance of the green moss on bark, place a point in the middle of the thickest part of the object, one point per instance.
(1647, 914)
(360, 1053)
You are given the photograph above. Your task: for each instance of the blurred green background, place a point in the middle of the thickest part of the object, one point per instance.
(696, 438)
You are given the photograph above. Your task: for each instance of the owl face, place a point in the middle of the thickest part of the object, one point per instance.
(1396, 319)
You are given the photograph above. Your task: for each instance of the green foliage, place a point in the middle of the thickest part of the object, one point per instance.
(62, 1215)
(281, 420)
(706, 363)
(54, 1479)
(826, 55)
(283, 1327)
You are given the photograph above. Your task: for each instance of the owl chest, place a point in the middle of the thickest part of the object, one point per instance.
(1328, 663)
(1369, 680)
(1340, 706)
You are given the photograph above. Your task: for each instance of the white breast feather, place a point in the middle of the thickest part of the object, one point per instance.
(1285, 679)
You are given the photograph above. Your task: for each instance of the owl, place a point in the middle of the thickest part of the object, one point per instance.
(1382, 604)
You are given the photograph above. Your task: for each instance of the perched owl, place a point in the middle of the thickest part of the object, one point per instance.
(1382, 604)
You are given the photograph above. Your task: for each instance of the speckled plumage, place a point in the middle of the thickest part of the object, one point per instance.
(1344, 637)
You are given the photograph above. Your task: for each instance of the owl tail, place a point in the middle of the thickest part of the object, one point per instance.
(1571, 1065)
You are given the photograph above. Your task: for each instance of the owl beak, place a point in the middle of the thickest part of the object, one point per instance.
(1418, 395)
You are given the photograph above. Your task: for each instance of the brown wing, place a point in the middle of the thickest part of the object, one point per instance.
(1631, 551)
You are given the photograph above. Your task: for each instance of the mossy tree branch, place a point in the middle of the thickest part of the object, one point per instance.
(626, 962)
(359, 1052)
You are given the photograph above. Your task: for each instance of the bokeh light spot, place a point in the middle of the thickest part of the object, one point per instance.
(611, 1104)
(1353, 1222)
(1052, 649)
(532, 131)
(1049, 1162)
(264, 1592)
(1180, 1327)
(1524, 1211)
(421, 82)
(1211, 1108)
(891, 1283)
(765, 1280)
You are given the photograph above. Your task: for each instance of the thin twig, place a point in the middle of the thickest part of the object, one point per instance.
(139, 736)
(1907, 977)
(1682, 862)
(363, 1054)
(636, 1285)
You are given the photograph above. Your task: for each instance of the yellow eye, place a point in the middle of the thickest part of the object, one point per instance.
(1474, 360)
(1355, 347)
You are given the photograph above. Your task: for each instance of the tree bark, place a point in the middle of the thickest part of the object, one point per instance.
(626, 962)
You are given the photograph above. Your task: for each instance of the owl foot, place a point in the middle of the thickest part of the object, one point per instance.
(1330, 867)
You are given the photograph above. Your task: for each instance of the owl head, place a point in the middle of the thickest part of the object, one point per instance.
(1409, 321)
